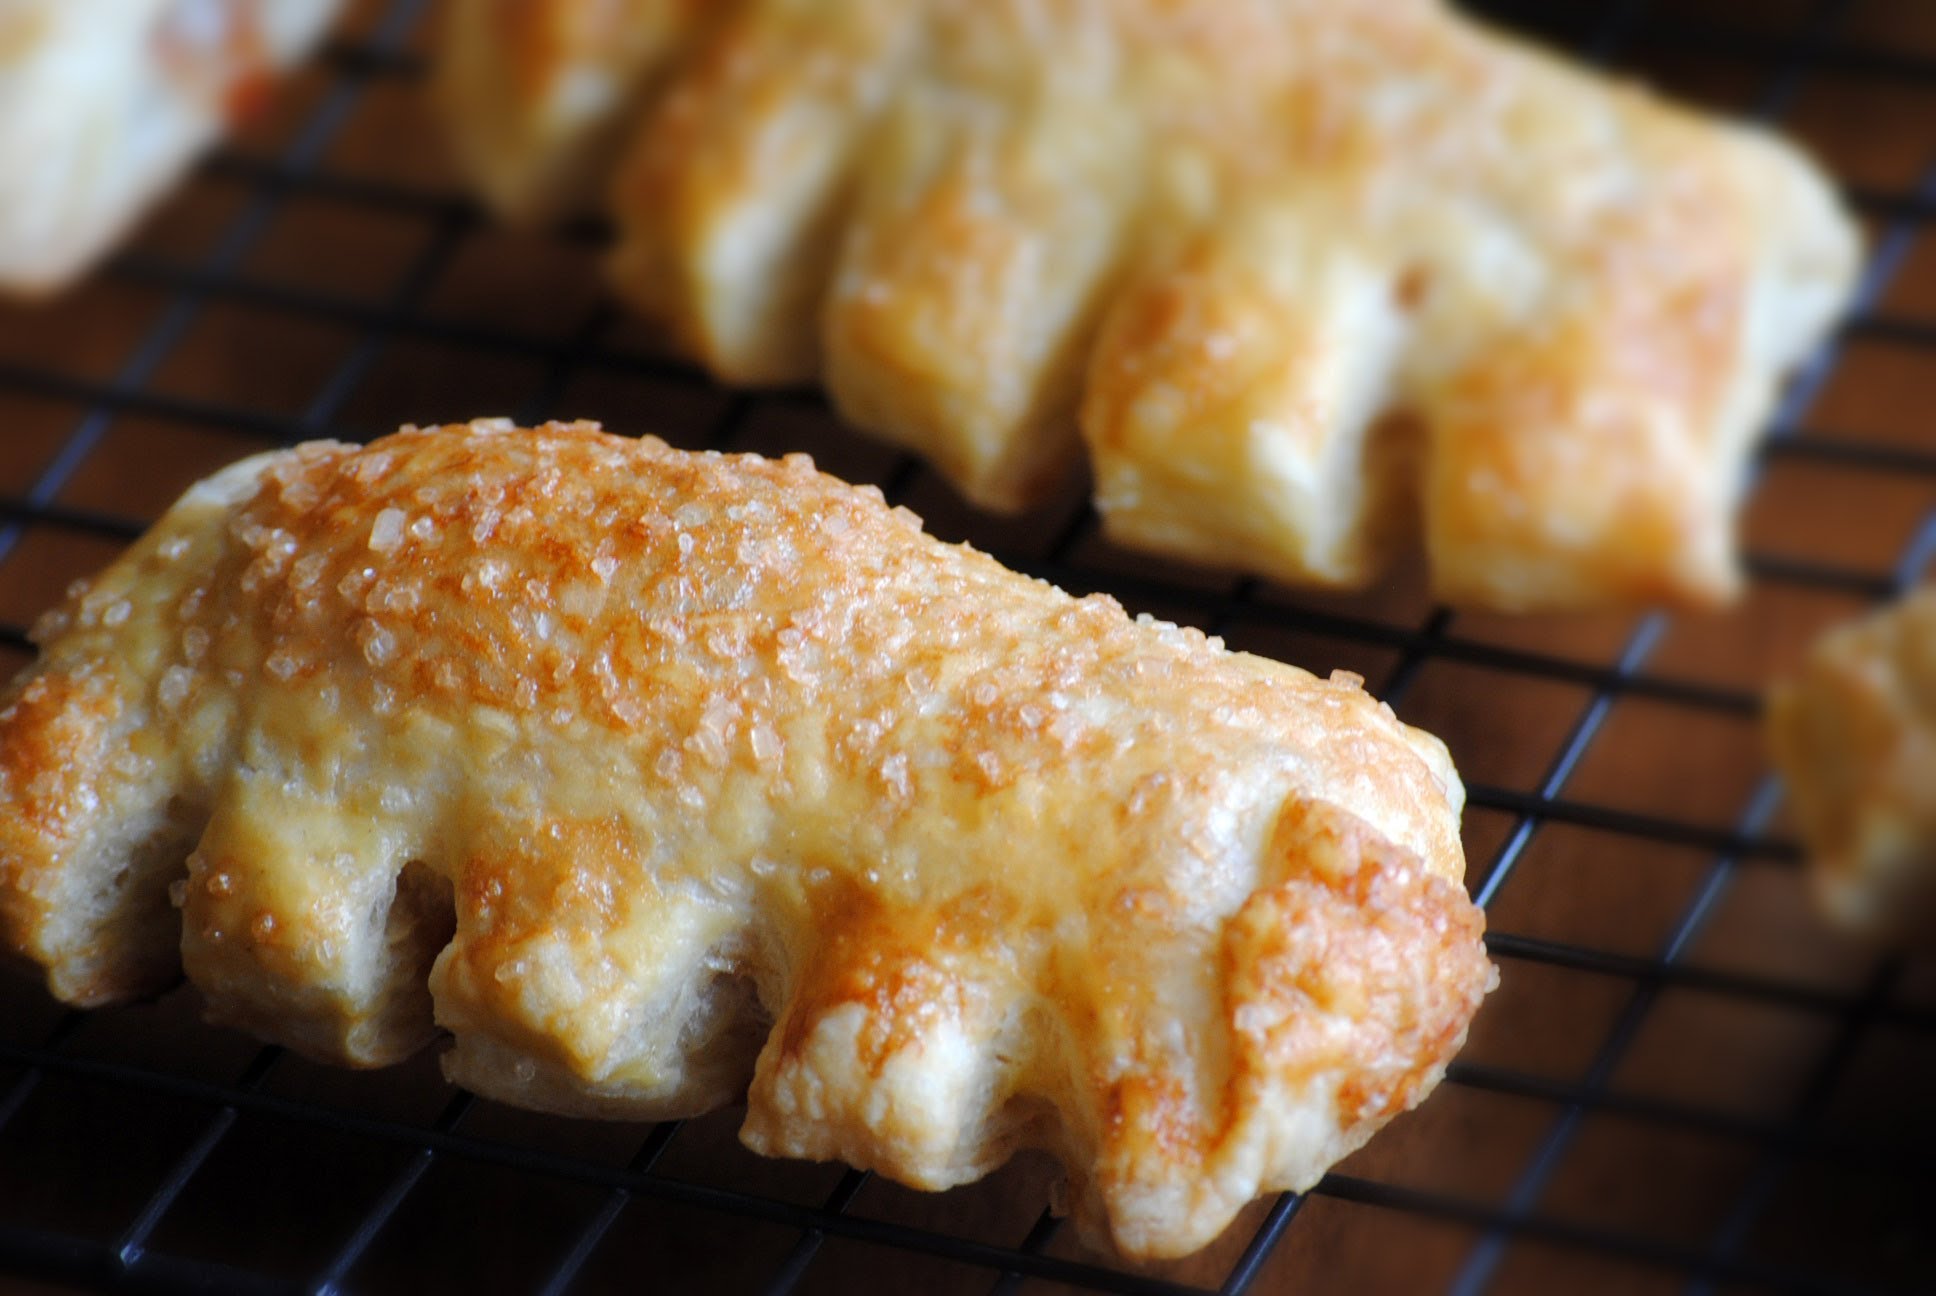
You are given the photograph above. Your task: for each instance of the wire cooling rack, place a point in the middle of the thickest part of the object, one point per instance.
(1684, 1083)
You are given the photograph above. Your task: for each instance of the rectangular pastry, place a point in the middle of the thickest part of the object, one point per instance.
(1306, 281)
(656, 779)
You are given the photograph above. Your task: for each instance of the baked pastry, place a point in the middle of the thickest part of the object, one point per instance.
(537, 95)
(104, 102)
(1854, 734)
(653, 774)
(1316, 279)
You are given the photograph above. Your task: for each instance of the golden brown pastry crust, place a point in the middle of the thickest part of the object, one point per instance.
(1854, 734)
(667, 773)
(1312, 276)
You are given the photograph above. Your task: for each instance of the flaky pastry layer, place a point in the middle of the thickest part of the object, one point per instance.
(657, 778)
(1309, 281)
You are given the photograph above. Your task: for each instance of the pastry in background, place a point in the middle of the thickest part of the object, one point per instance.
(1854, 735)
(650, 776)
(103, 103)
(539, 95)
(1309, 281)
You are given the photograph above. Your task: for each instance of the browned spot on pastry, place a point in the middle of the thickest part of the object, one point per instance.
(1360, 964)
(1156, 1113)
(51, 731)
(900, 965)
(581, 875)
(1412, 286)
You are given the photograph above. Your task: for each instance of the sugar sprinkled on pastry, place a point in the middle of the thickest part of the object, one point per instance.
(104, 102)
(1310, 271)
(656, 778)
(1854, 734)
(1315, 279)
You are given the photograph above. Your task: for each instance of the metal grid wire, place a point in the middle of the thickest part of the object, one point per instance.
(1684, 1083)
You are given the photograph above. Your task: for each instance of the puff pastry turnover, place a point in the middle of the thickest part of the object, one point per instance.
(1854, 733)
(1315, 279)
(104, 102)
(652, 776)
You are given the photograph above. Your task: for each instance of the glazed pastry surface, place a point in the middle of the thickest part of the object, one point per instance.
(656, 779)
(104, 102)
(1854, 734)
(1309, 282)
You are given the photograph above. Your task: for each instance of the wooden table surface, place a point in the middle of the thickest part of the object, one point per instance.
(1681, 1062)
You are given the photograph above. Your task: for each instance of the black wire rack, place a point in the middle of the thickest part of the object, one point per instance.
(1685, 1082)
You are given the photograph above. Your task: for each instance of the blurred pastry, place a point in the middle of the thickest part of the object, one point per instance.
(538, 95)
(103, 103)
(1854, 734)
(650, 776)
(1317, 280)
